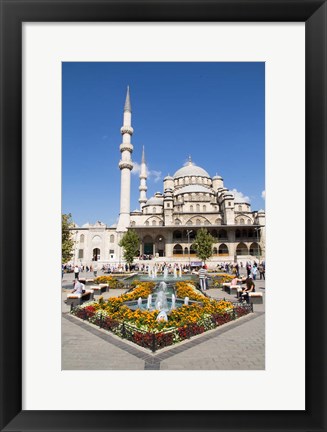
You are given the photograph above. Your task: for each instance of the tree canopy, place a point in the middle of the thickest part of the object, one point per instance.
(130, 243)
(67, 243)
(203, 244)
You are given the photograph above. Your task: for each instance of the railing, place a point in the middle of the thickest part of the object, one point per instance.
(155, 341)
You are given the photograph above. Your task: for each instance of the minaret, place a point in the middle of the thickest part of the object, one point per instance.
(143, 188)
(125, 165)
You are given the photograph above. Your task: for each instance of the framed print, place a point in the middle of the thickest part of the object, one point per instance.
(209, 73)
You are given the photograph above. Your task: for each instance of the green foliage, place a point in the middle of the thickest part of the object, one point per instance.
(203, 244)
(67, 243)
(130, 243)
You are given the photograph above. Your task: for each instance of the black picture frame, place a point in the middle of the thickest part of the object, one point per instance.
(13, 14)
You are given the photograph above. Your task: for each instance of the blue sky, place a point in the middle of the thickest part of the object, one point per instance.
(214, 112)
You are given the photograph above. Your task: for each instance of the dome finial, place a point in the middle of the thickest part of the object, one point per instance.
(128, 106)
(190, 160)
(143, 155)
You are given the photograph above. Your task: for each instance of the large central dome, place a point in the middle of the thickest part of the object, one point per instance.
(191, 170)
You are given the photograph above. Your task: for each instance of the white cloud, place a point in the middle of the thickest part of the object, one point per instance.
(136, 168)
(240, 197)
(263, 194)
(152, 174)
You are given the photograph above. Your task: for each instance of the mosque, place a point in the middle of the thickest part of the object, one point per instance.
(167, 223)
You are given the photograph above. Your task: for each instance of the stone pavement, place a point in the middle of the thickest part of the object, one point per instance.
(238, 345)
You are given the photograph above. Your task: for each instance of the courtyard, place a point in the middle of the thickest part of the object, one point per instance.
(237, 345)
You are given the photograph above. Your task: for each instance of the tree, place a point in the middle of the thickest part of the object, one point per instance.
(130, 242)
(203, 244)
(67, 243)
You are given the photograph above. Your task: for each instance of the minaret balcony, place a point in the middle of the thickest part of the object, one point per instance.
(124, 164)
(143, 188)
(126, 129)
(126, 146)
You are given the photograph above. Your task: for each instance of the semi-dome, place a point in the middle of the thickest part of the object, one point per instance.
(191, 170)
(154, 201)
(194, 188)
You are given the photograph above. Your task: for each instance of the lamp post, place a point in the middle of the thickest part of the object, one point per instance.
(188, 232)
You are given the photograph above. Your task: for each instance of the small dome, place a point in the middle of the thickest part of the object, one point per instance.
(191, 170)
(217, 177)
(154, 201)
(168, 177)
(193, 188)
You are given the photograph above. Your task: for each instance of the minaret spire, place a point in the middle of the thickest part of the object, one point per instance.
(143, 176)
(125, 165)
(128, 106)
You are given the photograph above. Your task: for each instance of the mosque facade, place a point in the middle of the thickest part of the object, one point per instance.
(167, 222)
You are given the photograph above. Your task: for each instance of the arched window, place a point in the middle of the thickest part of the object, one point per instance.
(239, 208)
(198, 207)
(191, 208)
(81, 239)
(154, 222)
(177, 222)
(249, 221)
(161, 223)
(178, 250)
(189, 222)
(215, 251)
(154, 210)
(242, 249)
(185, 251)
(242, 221)
(223, 250)
(147, 223)
(198, 222)
(133, 223)
(204, 208)
(255, 250)
(112, 238)
(218, 222)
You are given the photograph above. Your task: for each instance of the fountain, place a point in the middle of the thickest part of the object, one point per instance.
(161, 300)
(149, 302)
(173, 301)
(175, 272)
(149, 271)
(165, 273)
(139, 302)
(186, 300)
(180, 272)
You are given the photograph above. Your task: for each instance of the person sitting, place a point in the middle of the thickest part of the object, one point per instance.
(250, 287)
(78, 287)
(234, 281)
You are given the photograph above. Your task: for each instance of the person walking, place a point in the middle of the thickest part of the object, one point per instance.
(254, 272)
(261, 271)
(202, 278)
(76, 271)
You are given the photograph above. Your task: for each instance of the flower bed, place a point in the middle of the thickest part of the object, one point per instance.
(142, 327)
(113, 282)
